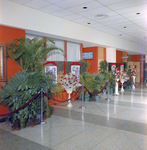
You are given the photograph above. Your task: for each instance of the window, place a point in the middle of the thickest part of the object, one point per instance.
(3, 71)
(56, 55)
(73, 51)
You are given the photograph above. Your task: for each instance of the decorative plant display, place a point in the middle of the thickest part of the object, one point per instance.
(103, 66)
(93, 82)
(58, 88)
(133, 71)
(85, 66)
(123, 78)
(133, 74)
(20, 89)
(69, 83)
(117, 74)
(29, 54)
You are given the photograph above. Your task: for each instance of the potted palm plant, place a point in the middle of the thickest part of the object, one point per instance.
(93, 82)
(17, 91)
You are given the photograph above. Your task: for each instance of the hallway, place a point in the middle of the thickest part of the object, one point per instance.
(118, 124)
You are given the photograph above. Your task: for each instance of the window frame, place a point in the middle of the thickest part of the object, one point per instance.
(4, 78)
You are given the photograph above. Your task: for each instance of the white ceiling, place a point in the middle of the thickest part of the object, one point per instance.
(122, 20)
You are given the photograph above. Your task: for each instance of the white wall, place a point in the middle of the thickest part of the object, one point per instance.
(16, 15)
(111, 55)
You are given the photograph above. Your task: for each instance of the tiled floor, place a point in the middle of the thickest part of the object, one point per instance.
(118, 124)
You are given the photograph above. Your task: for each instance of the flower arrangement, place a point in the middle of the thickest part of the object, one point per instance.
(124, 76)
(117, 74)
(133, 71)
(69, 81)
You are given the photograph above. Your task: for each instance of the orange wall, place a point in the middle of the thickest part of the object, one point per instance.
(135, 58)
(94, 61)
(7, 34)
(119, 55)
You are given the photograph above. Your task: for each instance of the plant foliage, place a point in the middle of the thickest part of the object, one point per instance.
(29, 54)
(18, 90)
(93, 82)
(21, 88)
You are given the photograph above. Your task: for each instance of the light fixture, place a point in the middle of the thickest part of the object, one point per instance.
(120, 35)
(101, 16)
(85, 7)
(88, 23)
(138, 13)
(125, 27)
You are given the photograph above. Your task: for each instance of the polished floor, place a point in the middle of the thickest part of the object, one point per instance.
(116, 124)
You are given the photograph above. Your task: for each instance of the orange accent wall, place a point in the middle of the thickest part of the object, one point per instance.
(7, 34)
(94, 61)
(119, 55)
(135, 58)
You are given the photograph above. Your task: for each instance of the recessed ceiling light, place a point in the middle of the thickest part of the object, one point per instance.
(88, 23)
(84, 7)
(101, 16)
(120, 35)
(125, 27)
(137, 13)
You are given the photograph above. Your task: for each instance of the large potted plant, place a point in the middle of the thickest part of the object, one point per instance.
(17, 91)
(93, 82)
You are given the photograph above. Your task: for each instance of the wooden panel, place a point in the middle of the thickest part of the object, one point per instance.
(124, 54)
(100, 53)
(3, 75)
(119, 55)
(137, 64)
(130, 64)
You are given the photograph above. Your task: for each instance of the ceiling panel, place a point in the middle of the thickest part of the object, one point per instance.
(95, 11)
(73, 17)
(51, 9)
(20, 1)
(54, 1)
(121, 13)
(109, 2)
(62, 13)
(71, 3)
(36, 4)
(127, 4)
(136, 9)
(90, 5)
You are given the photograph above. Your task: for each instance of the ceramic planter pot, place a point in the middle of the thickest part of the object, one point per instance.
(87, 97)
(96, 97)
